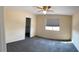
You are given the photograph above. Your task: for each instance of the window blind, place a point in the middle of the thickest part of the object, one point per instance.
(52, 22)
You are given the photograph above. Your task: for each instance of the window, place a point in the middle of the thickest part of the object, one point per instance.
(48, 28)
(57, 28)
(52, 25)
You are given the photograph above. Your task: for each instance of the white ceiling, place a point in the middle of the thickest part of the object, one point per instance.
(60, 10)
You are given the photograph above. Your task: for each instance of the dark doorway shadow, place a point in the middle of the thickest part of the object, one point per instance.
(28, 27)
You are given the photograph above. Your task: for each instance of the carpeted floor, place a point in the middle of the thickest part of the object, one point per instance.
(40, 45)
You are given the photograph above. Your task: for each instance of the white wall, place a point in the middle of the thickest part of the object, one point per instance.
(15, 24)
(65, 27)
(2, 33)
(75, 30)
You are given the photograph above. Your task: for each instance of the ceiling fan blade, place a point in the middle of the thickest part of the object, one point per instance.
(50, 10)
(49, 7)
(40, 11)
(39, 7)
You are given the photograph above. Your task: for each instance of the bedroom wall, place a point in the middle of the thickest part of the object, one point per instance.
(65, 27)
(15, 24)
(2, 32)
(75, 30)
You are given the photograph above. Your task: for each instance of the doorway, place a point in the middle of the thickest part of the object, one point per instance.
(28, 27)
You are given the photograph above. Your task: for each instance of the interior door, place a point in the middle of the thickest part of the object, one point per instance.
(28, 27)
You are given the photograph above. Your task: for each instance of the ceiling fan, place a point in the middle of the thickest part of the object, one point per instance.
(44, 9)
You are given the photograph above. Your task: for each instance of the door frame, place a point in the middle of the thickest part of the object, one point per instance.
(25, 26)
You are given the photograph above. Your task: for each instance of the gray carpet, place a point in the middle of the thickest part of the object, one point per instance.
(40, 45)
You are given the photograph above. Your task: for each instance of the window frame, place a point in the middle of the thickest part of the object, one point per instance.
(52, 26)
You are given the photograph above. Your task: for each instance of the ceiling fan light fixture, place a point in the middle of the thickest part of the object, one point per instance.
(44, 12)
(44, 9)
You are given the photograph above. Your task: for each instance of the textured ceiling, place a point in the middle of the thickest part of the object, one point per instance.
(60, 10)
